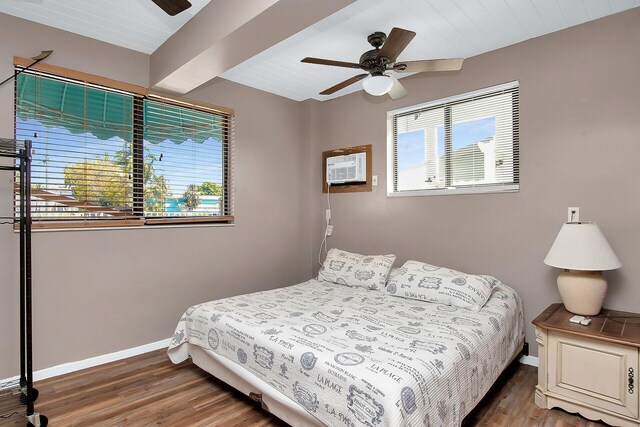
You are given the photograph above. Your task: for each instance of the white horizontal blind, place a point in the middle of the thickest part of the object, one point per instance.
(469, 143)
(187, 161)
(81, 136)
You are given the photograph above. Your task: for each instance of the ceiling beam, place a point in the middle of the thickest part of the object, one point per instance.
(226, 33)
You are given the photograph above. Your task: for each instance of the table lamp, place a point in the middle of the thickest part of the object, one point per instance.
(582, 250)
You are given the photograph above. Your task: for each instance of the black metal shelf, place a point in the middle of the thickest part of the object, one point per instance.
(12, 147)
(20, 151)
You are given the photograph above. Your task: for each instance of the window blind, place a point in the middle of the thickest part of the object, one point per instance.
(80, 134)
(187, 161)
(107, 157)
(467, 143)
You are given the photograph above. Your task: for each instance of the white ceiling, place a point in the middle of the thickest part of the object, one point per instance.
(445, 28)
(135, 24)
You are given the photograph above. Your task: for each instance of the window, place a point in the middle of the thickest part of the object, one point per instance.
(107, 157)
(463, 144)
(186, 155)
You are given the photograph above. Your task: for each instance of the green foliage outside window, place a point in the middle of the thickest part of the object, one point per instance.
(99, 181)
(191, 197)
(210, 189)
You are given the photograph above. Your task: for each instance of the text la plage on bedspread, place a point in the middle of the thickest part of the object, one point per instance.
(357, 357)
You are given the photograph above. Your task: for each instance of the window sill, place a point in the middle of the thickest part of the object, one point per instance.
(150, 223)
(510, 188)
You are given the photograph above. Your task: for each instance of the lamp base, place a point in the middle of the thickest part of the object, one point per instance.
(582, 292)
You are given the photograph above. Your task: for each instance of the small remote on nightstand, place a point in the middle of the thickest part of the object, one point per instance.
(576, 319)
(581, 320)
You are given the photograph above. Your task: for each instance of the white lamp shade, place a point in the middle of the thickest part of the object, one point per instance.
(582, 246)
(377, 85)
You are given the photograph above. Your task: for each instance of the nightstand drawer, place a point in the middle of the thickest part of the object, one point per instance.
(593, 372)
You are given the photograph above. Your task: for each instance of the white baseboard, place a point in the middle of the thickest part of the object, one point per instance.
(87, 363)
(529, 360)
(66, 368)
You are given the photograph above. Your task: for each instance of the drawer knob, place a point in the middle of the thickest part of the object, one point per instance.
(630, 381)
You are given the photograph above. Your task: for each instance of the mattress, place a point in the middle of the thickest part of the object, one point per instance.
(355, 357)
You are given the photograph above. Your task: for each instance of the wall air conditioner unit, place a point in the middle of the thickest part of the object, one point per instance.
(347, 169)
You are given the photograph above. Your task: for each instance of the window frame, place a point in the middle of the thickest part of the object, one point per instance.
(227, 171)
(139, 95)
(447, 103)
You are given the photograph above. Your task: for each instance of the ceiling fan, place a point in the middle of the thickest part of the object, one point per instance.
(173, 7)
(381, 59)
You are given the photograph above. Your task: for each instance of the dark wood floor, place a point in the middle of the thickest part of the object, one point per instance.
(149, 390)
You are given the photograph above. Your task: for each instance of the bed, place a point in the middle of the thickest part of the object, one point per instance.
(324, 353)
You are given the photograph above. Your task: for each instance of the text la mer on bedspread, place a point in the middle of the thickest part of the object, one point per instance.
(357, 357)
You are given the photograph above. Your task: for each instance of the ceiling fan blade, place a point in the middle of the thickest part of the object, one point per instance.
(173, 7)
(396, 42)
(331, 62)
(397, 90)
(343, 84)
(429, 65)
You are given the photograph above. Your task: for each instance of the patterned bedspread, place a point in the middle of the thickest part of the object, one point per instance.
(356, 357)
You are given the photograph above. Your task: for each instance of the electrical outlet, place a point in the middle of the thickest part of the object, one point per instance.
(573, 214)
(327, 215)
(374, 180)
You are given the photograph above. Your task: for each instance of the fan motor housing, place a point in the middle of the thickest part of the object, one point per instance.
(369, 61)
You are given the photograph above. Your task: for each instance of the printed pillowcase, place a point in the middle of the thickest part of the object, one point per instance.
(417, 280)
(365, 271)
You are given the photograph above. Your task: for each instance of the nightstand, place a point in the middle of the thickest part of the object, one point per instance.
(592, 370)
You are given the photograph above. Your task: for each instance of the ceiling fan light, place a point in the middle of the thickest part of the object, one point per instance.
(377, 85)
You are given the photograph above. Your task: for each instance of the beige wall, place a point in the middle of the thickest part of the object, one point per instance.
(97, 292)
(579, 145)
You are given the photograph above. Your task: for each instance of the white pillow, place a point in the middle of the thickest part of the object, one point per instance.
(346, 268)
(417, 280)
